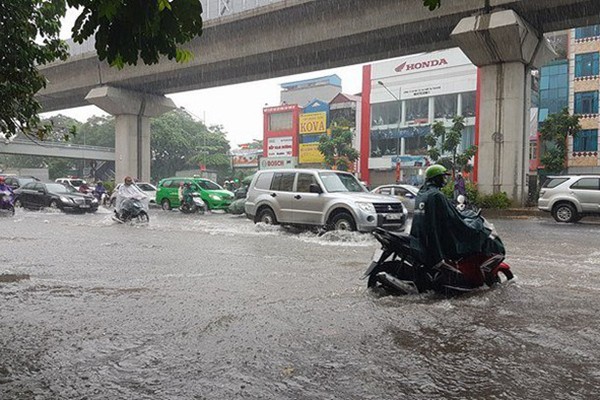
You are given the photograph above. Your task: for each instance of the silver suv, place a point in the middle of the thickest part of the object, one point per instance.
(325, 198)
(570, 197)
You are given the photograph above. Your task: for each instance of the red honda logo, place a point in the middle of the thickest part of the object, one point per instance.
(421, 65)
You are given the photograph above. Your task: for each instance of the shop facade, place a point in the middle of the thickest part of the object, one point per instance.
(402, 98)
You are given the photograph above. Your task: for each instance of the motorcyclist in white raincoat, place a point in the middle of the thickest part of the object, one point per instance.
(130, 191)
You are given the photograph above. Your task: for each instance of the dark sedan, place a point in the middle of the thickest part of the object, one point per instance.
(37, 195)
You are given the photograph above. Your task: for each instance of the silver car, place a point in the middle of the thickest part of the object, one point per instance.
(570, 197)
(405, 193)
(324, 198)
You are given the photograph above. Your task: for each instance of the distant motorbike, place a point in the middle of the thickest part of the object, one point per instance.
(132, 210)
(7, 203)
(196, 205)
(101, 197)
(397, 269)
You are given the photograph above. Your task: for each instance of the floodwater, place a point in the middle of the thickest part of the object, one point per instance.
(215, 307)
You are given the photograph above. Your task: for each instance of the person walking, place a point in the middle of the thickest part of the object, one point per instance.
(459, 186)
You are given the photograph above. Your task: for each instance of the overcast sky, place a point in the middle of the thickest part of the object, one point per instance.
(238, 108)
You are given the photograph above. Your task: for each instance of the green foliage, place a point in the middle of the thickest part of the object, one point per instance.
(554, 133)
(493, 201)
(22, 22)
(443, 145)
(498, 201)
(179, 142)
(109, 185)
(337, 147)
(125, 31)
(432, 4)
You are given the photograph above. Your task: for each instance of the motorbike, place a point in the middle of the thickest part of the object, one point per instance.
(132, 210)
(7, 203)
(197, 205)
(101, 197)
(397, 269)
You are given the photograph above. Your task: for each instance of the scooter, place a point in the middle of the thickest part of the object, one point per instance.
(397, 269)
(197, 205)
(131, 210)
(7, 203)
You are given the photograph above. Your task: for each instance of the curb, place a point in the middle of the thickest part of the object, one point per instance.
(516, 213)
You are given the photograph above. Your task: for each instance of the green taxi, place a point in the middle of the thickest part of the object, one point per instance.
(215, 197)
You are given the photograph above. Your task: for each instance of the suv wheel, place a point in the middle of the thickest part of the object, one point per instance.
(343, 222)
(266, 216)
(565, 212)
(165, 204)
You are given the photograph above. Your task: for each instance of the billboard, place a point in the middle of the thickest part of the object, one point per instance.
(280, 146)
(312, 123)
(278, 162)
(246, 158)
(310, 154)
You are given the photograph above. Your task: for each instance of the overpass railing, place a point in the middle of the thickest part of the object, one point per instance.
(212, 9)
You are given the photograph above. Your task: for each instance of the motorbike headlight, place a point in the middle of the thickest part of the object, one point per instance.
(94, 200)
(215, 197)
(367, 207)
(66, 199)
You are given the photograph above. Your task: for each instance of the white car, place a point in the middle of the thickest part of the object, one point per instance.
(405, 193)
(147, 188)
(73, 182)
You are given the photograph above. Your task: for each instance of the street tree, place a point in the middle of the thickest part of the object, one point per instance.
(179, 142)
(124, 32)
(554, 133)
(336, 147)
(443, 145)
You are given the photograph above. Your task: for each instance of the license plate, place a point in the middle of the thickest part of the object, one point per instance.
(393, 216)
(84, 206)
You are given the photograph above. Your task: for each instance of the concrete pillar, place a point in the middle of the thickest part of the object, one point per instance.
(506, 48)
(132, 111)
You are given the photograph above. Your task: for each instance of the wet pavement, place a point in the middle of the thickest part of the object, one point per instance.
(215, 307)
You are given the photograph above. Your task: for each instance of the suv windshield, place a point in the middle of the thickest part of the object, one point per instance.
(208, 185)
(340, 182)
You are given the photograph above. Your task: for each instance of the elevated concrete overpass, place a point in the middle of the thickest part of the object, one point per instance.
(294, 36)
(64, 150)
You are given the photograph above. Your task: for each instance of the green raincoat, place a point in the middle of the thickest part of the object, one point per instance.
(439, 231)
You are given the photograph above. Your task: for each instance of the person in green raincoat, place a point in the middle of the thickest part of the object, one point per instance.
(439, 231)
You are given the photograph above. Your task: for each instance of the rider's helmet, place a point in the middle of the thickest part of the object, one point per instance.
(128, 180)
(1, 179)
(437, 174)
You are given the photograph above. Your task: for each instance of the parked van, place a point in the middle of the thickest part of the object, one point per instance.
(324, 198)
(215, 197)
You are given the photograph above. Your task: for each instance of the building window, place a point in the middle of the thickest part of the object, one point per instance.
(280, 122)
(587, 32)
(586, 64)
(417, 110)
(468, 138)
(586, 103)
(415, 145)
(586, 140)
(385, 113)
(468, 104)
(533, 150)
(445, 106)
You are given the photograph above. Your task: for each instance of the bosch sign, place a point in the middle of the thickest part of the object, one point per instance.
(421, 65)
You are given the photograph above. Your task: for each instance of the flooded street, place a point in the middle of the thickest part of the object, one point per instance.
(215, 307)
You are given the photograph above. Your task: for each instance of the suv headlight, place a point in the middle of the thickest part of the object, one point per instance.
(215, 197)
(367, 207)
(66, 199)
